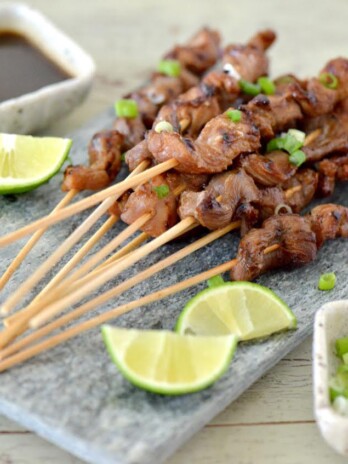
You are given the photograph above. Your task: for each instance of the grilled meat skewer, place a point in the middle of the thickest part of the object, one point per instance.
(106, 147)
(297, 238)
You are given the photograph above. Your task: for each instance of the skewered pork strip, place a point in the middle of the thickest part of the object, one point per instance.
(106, 147)
(217, 92)
(298, 239)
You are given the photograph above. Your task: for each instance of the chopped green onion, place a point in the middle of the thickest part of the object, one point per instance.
(234, 115)
(161, 191)
(164, 126)
(329, 80)
(291, 143)
(267, 86)
(123, 156)
(327, 281)
(275, 144)
(341, 346)
(299, 135)
(215, 281)
(126, 108)
(170, 68)
(345, 359)
(297, 158)
(249, 88)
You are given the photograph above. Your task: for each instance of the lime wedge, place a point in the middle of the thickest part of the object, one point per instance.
(168, 363)
(245, 309)
(27, 162)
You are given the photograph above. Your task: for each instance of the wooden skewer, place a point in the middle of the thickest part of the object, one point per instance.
(126, 285)
(117, 189)
(288, 193)
(96, 321)
(130, 230)
(132, 245)
(32, 242)
(62, 250)
(311, 137)
(114, 313)
(11, 332)
(111, 273)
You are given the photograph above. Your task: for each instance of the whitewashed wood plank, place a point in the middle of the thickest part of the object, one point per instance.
(7, 425)
(30, 449)
(278, 444)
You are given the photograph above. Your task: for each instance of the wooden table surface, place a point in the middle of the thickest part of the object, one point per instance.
(273, 421)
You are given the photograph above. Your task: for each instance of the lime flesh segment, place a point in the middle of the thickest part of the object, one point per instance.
(166, 362)
(245, 309)
(27, 162)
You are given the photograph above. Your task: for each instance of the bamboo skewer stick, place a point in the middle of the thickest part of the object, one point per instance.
(11, 332)
(96, 321)
(113, 244)
(132, 245)
(117, 189)
(111, 273)
(114, 313)
(32, 242)
(126, 285)
(61, 251)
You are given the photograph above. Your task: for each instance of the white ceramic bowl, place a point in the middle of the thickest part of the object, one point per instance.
(36, 110)
(331, 322)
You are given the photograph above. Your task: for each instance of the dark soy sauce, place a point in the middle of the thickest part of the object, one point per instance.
(24, 68)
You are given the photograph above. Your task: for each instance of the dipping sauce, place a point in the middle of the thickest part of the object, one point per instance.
(24, 68)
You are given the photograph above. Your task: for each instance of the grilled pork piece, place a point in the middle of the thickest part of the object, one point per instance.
(330, 170)
(105, 162)
(197, 107)
(332, 137)
(203, 48)
(300, 190)
(201, 52)
(249, 60)
(269, 170)
(316, 99)
(297, 238)
(218, 144)
(328, 222)
(159, 197)
(145, 200)
(215, 206)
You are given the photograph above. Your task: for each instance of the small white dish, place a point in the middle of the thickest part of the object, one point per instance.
(35, 110)
(331, 322)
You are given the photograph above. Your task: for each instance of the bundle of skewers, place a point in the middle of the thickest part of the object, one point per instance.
(210, 142)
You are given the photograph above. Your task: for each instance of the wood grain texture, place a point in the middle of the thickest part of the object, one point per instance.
(273, 421)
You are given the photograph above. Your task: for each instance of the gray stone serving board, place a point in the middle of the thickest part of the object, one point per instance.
(74, 396)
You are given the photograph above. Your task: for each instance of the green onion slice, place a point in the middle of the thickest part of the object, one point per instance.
(234, 115)
(341, 346)
(266, 85)
(171, 68)
(164, 126)
(123, 156)
(329, 80)
(161, 191)
(215, 281)
(126, 108)
(299, 135)
(249, 88)
(327, 281)
(297, 158)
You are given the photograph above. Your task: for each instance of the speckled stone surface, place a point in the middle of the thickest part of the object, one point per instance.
(74, 396)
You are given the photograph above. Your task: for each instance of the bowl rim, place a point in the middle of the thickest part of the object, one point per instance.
(27, 17)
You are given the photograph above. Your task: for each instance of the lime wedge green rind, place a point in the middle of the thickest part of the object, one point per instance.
(27, 162)
(168, 363)
(245, 309)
